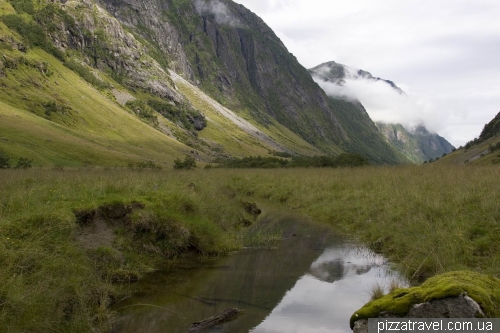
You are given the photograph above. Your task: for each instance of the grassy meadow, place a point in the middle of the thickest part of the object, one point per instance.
(73, 241)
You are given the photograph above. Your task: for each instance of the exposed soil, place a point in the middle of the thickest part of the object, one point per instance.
(97, 225)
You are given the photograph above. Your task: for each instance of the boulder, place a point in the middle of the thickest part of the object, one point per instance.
(461, 294)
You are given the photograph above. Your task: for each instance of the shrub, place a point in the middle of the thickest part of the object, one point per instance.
(188, 163)
(144, 165)
(23, 6)
(143, 111)
(24, 163)
(4, 160)
(494, 147)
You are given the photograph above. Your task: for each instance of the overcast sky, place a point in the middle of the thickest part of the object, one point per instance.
(445, 54)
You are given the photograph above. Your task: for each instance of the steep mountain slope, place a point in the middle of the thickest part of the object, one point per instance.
(418, 145)
(485, 149)
(238, 60)
(490, 130)
(364, 137)
(61, 120)
(125, 85)
(208, 78)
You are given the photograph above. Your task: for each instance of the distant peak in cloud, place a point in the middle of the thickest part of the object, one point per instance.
(338, 73)
(384, 101)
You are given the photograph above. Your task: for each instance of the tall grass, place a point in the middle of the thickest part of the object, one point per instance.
(427, 219)
(51, 281)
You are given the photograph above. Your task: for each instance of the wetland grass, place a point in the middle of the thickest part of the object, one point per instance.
(427, 219)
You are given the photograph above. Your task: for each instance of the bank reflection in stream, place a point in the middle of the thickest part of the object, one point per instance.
(312, 282)
(323, 300)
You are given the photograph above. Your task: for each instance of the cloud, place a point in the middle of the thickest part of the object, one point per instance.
(444, 50)
(385, 104)
(264, 6)
(220, 11)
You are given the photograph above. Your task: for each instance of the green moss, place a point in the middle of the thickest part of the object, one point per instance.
(485, 290)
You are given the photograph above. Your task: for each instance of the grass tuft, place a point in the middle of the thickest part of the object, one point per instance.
(376, 292)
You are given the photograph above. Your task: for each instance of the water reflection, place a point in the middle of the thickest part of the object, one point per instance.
(312, 282)
(323, 300)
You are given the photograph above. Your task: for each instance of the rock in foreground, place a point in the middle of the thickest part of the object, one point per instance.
(462, 294)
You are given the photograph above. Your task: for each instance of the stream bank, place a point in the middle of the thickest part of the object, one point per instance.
(311, 280)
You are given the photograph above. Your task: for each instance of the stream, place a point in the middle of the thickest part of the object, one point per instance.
(311, 281)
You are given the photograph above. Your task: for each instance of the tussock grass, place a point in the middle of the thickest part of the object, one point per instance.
(53, 278)
(376, 292)
(394, 285)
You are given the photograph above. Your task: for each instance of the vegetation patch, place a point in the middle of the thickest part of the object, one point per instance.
(429, 220)
(22, 162)
(144, 165)
(187, 164)
(259, 162)
(71, 242)
(484, 289)
(33, 34)
(86, 74)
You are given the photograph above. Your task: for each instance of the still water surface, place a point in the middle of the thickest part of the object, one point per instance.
(312, 282)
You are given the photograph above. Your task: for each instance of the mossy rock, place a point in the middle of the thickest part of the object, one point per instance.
(485, 290)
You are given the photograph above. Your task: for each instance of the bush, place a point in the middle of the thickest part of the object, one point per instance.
(4, 160)
(494, 147)
(188, 163)
(24, 163)
(23, 6)
(144, 165)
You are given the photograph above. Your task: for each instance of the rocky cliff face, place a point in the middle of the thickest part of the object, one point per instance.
(106, 45)
(234, 56)
(418, 145)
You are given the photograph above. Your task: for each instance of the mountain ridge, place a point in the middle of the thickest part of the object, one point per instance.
(127, 52)
(416, 144)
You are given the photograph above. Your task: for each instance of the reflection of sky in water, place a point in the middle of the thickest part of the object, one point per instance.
(323, 300)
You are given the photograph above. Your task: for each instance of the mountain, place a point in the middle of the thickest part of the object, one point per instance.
(485, 149)
(416, 144)
(118, 81)
(338, 73)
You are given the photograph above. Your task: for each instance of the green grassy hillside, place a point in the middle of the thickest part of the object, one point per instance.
(485, 153)
(87, 90)
(57, 110)
(59, 118)
(485, 149)
(70, 114)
